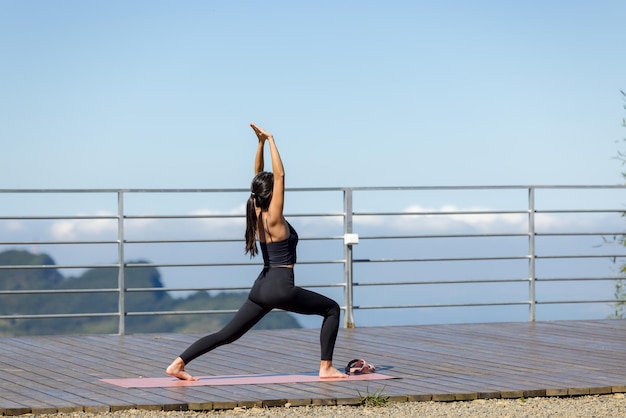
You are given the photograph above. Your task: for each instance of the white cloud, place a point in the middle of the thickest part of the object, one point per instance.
(74, 229)
(78, 229)
(15, 226)
(448, 218)
(454, 219)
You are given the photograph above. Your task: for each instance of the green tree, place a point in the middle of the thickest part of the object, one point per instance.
(619, 311)
(145, 277)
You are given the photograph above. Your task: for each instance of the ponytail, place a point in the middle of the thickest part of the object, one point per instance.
(260, 197)
(251, 221)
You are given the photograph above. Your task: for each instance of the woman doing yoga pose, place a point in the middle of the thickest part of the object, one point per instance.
(274, 287)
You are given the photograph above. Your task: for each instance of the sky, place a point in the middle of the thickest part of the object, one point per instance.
(160, 94)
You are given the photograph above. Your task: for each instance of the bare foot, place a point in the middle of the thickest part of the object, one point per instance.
(177, 369)
(328, 371)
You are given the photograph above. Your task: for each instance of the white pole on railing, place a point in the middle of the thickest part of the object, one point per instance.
(531, 252)
(120, 251)
(347, 229)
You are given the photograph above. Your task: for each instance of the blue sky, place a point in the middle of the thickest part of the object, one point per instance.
(159, 94)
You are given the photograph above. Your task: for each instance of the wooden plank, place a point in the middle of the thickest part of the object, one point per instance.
(433, 362)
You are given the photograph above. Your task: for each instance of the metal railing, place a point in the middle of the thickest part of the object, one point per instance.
(513, 212)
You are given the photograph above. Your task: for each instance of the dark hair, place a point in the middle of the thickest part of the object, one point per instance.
(261, 194)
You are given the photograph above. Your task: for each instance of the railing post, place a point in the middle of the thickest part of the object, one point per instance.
(120, 254)
(531, 252)
(347, 250)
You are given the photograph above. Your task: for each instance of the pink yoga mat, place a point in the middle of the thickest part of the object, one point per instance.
(252, 379)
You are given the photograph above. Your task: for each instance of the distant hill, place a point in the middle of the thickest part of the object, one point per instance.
(106, 278)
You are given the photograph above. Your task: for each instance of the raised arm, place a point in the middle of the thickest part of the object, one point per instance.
(259, 162)
(278, 194)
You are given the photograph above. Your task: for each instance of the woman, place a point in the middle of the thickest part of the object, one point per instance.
(274, 288)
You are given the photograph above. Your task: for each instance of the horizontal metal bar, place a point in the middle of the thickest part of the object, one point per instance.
(445, 305)
(206, 312)
(216, 289)
(52, 292)
(207, 241)
(431, 282)
(144, 289)
(230, 216)
(56, 218)
(135, 217)
(104, 191)
(187, 289)
(329, 285)
(56, 242)
(485, 187)
(569, 234)
(504, 235)
(461, 305)
(319, 189)
(367, 237)
(480, 281)
(439, 213)
(182, 241)
(403, 260)
(214, 216)
(557, 302)
(566, 187)
(46, 267)
(53, 316)
(576, 279)
(320, 238)
(580, 211)
(201, 312)
(569, 256)
(223, 264)
(407, 260)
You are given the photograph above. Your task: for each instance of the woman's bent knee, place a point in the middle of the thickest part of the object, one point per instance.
(334, 309)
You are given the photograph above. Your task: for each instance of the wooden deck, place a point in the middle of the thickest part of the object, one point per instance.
(432, 362)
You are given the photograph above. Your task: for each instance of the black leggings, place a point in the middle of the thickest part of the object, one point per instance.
(274, 288)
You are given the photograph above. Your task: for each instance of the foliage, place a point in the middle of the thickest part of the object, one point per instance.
(620, 284)
(373, 399)
(50, 279)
